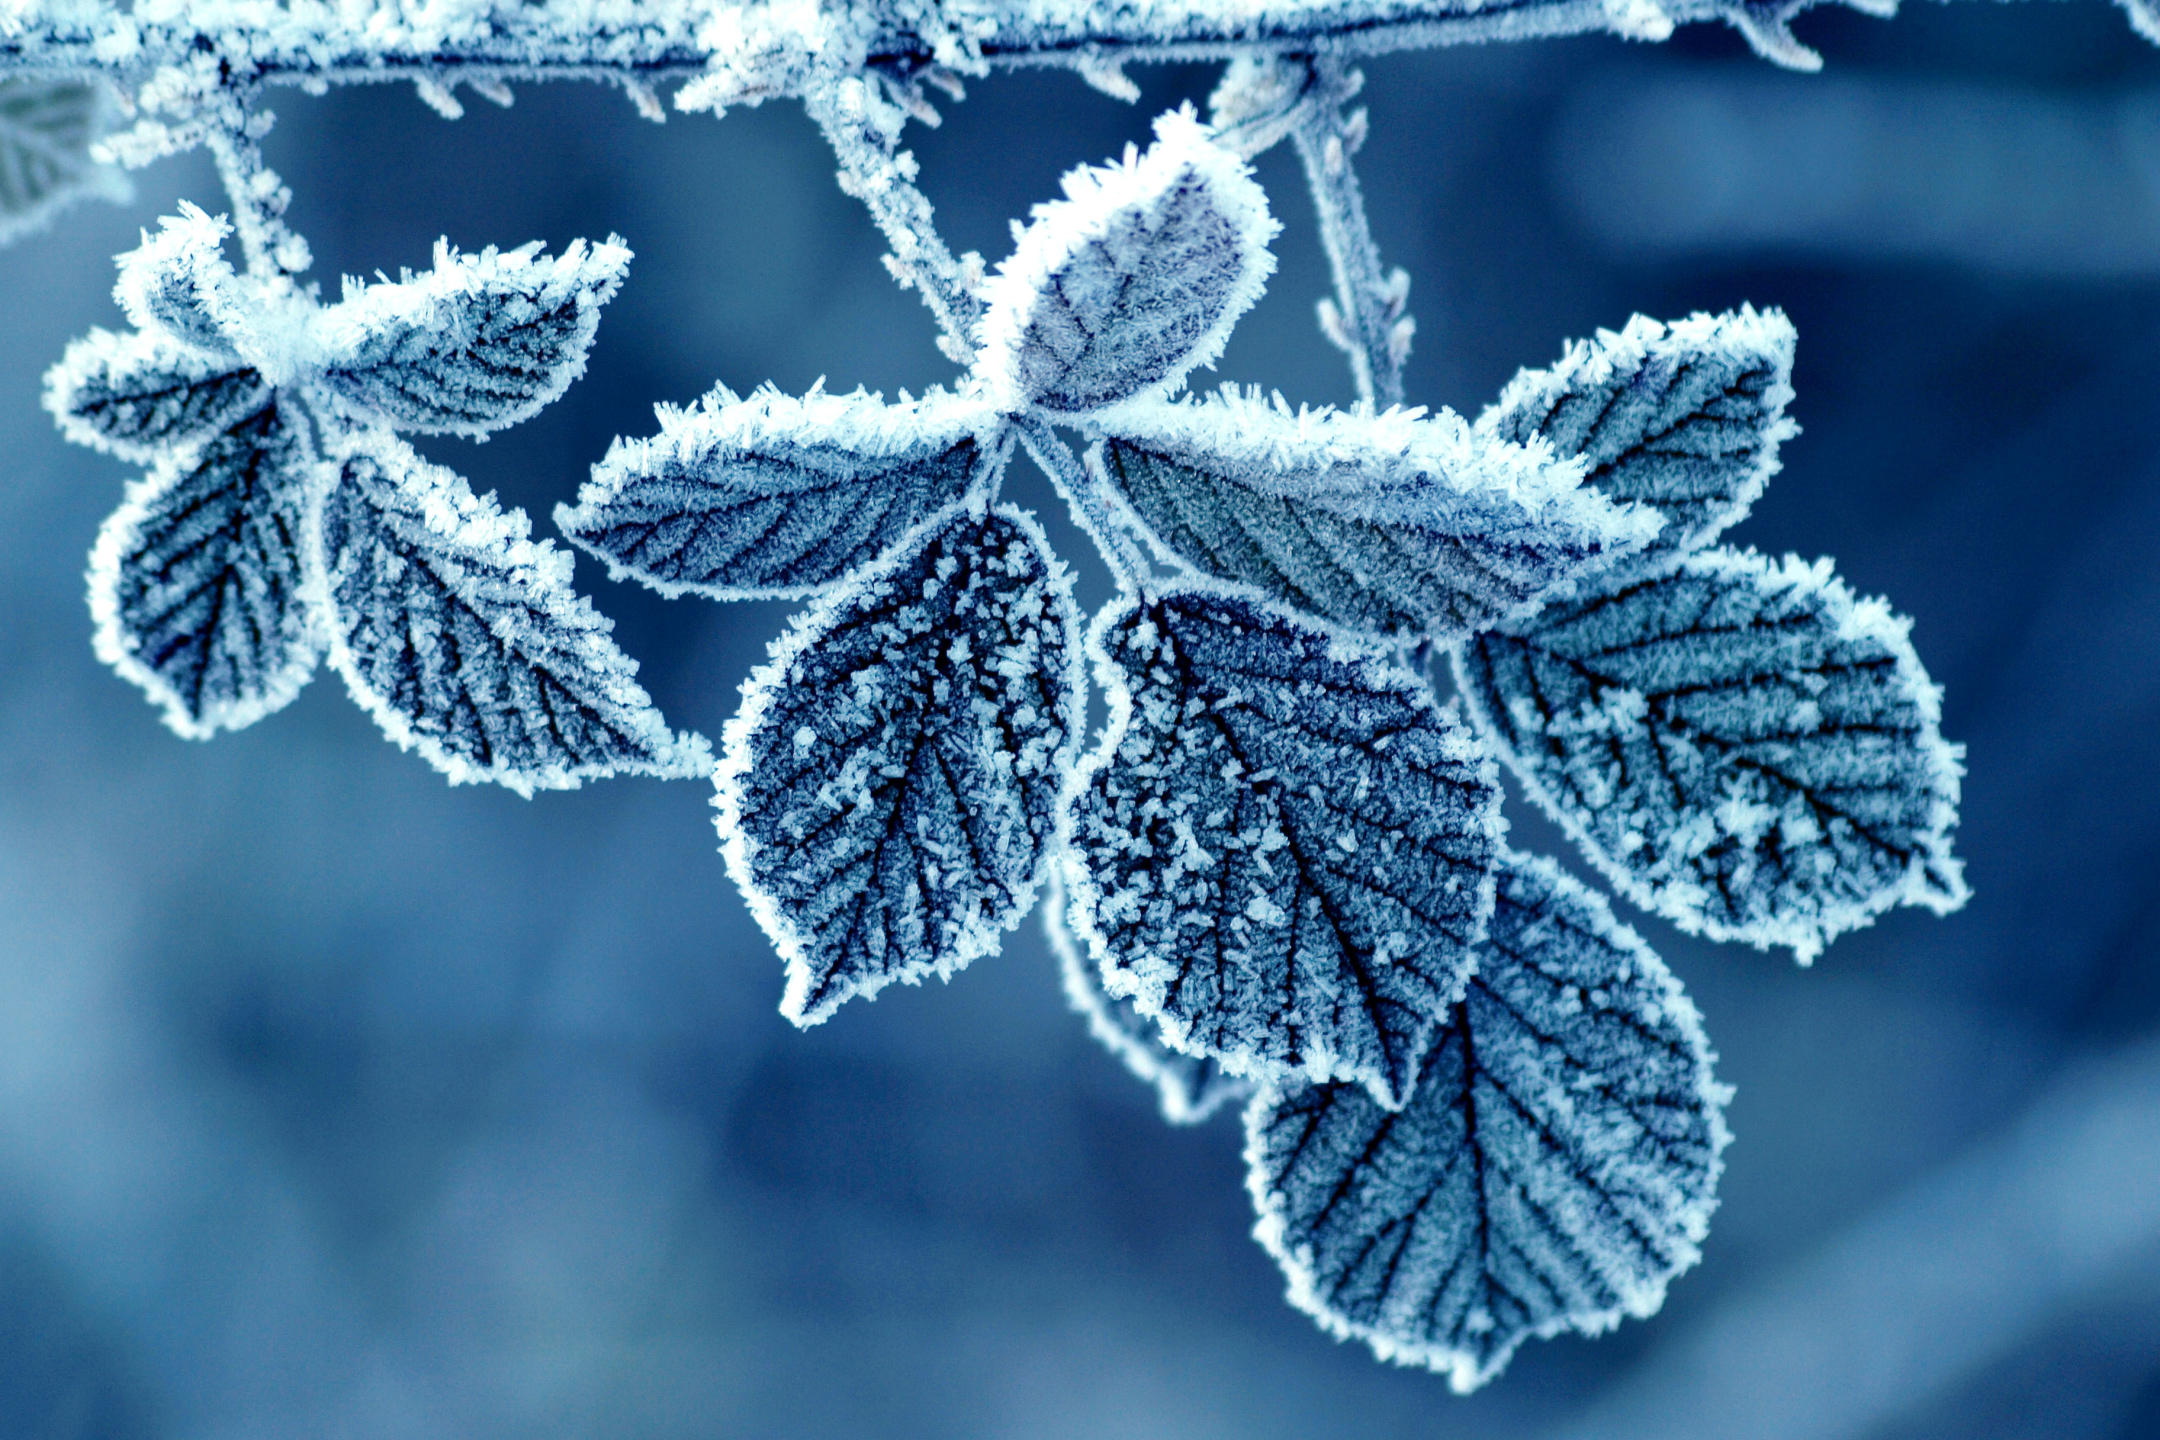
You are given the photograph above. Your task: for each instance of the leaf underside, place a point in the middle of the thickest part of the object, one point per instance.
(1283, 850)
(889, 788)
(1556, 1167)
(196, 580)
(1190, 1087)
(1741, 746)
(465, 641)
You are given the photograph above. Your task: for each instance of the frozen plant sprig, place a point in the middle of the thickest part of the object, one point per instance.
(1480, 1109)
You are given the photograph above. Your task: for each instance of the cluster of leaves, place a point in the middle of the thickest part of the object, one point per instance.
(281, 519)
(1478, 1107)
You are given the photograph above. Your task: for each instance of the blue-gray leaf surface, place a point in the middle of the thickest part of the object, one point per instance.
(477, 343)
(1742, 746)
(1556, 1167)
(196, 583)
(1282, 850)
(1190, 1088)
(139, 395)
(1133, 279)
(1686, 418)
(1393, 524)
(888, 791)
(464, 640)
(775, 497)
(47, 125)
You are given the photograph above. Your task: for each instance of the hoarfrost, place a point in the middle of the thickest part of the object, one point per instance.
(1556, 1167)
(1686, 418)
(141, 396)
(1394, 524)
(1136, 277)
(464, 639)
(1282, 849)
(1191, 1087)
(1743, 746)
(778, 497)
(888, 791)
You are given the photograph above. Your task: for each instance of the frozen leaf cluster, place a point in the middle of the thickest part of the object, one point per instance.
(282, 521)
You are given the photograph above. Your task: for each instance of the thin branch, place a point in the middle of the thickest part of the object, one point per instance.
(259, 198)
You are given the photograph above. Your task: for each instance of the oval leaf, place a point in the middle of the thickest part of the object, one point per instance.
(139, 394)
(195, 582)
(774, 497)
(1191, 1087)
(1685, 417)
(47, 125)
(1392, 524)
(464, 639)
(1282, 850)
(478, 343)
(889, 788)
(1742, 746)
(1131, 281)
(1556, 1167)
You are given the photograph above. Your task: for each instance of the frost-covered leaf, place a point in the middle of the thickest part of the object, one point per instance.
(195, 581)
(1685, 417)
(1191, 1087)
(1282, 850)
(464, 640)
(47, 125)
(889, 788)
(1556, 1167)
(1394, 524)
(178, 282)
(1131, 281)
(478, 343)
(778, 497)
(1742, 746)
(140, 394)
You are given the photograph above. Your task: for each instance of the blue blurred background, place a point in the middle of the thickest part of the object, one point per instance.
(338, 1103)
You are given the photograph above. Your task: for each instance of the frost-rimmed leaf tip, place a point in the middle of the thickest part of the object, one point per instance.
(1556, 1168)
(1396, 524)
(775, 497)
(1282, 849)
(887, 794)
(1135, 278)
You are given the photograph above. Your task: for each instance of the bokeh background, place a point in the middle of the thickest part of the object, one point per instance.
(335, 1102)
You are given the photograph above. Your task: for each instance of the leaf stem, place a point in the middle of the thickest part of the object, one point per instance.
(1091, 508)
(259, 198)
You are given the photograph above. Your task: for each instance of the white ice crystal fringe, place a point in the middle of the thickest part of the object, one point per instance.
(777, 497)
(478, 343)
(1393, 524)
(1282, 849)
(1130, 282)
(1686, 418)
(1555, 1169)
(1743, 746)
(196, 581)
(463, 638)
(143, 396)
(178, 281)
(887, 794)
(1190, 1088)
(47, 126)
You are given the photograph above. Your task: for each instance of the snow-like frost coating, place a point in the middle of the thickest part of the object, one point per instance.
(1282, 850)
(1393, 524)
(887, 794)
(143, 396)
(178, 281)
(1190, 1088)
(1686, 418)
(475, 344)
(1743, 746)
(1135, 278)
(463, 638)
(196, 580)
(777, 497)
(1555, 1169)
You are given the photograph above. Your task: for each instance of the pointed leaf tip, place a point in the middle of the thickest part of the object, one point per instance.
(1282, 850)
(1131, 281)
(1555, 1169)
(888, 792)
